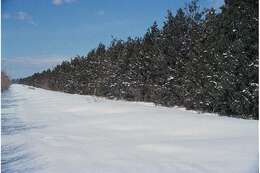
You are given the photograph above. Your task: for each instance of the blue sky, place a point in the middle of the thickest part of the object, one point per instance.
(38, 34)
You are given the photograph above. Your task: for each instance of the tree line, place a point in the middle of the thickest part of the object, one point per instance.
(205, 60)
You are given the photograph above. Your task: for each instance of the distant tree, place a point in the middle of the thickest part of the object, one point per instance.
(5, 81)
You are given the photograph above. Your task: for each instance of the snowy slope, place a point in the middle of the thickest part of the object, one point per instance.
(73, 133)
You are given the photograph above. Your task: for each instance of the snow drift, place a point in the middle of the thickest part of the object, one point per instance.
(61, 132)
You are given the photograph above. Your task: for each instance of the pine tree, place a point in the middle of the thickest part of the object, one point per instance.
(203, 60)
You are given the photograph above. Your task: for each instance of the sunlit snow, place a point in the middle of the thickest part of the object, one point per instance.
(64, 133)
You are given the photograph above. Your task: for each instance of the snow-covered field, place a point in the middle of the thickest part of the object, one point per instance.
(46, 131)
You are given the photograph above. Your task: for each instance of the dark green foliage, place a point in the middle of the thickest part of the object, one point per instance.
(202, 60)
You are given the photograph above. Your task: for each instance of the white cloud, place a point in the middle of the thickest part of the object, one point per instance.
(19, 16)
(56, 2)
(38, 60)
(18, 67)
(6, 16)
(101, 12)
(69, 1)
(60, 2)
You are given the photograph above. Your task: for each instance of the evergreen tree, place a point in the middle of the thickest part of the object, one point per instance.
(203, 60)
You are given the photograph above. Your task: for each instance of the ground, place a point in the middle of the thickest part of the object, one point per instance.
(61, 132)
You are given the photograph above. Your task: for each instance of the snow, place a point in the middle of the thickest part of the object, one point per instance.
(74, 133)
(170, 78)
